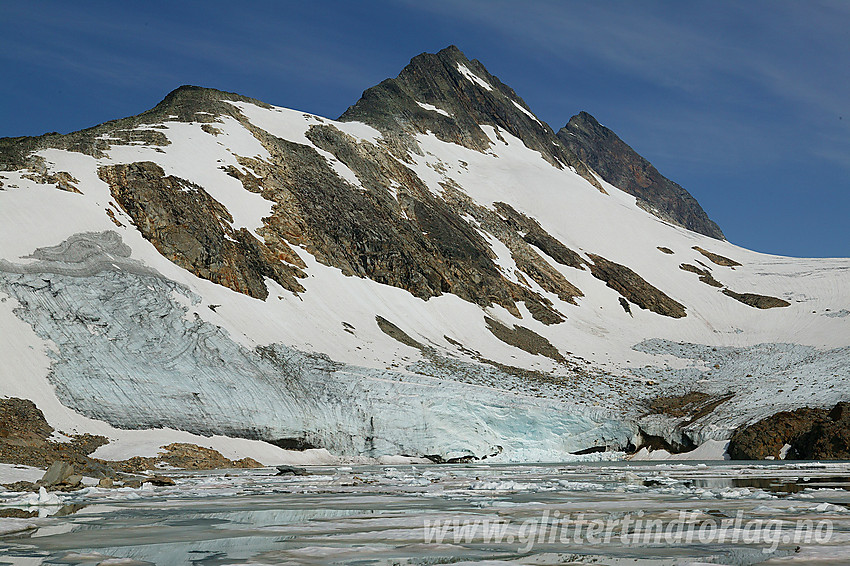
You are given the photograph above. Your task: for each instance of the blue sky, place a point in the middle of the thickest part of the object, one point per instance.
(745, 104)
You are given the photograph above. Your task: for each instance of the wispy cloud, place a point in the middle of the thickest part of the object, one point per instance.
(125, 47)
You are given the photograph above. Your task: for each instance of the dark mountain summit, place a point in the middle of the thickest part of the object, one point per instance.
(451, 96)
(621, 166)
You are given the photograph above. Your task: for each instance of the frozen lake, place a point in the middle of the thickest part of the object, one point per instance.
(615, 513)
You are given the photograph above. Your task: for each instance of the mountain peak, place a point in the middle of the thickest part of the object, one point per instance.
(623, 167)
(196, 103)
(451, 96)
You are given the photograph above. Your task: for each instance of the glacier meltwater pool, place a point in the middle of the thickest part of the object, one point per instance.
(618, 513)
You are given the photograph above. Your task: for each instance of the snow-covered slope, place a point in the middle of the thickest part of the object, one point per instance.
(129, 299)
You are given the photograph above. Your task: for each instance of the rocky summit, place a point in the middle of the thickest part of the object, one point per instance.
(437, 275)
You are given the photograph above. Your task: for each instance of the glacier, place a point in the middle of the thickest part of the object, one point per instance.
(127, 352)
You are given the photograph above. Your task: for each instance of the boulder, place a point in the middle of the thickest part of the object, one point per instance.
(159, 481)
(291, 471)
(57, 473)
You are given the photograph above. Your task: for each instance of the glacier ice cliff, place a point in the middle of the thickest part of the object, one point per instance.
(125, 349)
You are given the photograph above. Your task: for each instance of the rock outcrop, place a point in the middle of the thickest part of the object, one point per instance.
(704, 274)
(756, 300)
(635, 288)
(25, 438)
(184, 456)
(717, 258)
(194, 230)
(812, 434)
(524, 339)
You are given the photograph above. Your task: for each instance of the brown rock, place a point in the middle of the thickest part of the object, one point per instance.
(21, 419)
(159, 481)
(716, 258)
(704, 274)
(634, 288)
(524, 339)
(757, 301)
(813, 434)
(246, 463)
(193, 230)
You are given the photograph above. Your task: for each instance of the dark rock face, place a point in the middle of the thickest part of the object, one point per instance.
(621, 166)
(828, 439)
(717, 258)
(634, 288)
(524, 339)
(757, 301)
(704, 274)
(193, 230)
(441, 80)
(813, 434)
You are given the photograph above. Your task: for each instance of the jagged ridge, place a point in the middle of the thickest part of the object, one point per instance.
(621, 166)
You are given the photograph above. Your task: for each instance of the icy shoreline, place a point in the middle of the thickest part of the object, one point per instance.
(384, 513)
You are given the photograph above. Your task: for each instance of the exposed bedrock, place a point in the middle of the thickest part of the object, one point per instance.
(635, 288)
(393, 230)
(756, 300)
(194, 230)
(806, 434)
(469, 97)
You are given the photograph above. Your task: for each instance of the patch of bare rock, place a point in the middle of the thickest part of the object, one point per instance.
(27, 439)
(704, 274)
(757, 301)
(717, 258)
(634, 288)
(811, 433)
